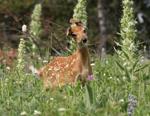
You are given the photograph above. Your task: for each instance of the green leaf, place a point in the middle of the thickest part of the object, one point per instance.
(88, 96)
(126, 54)
(142, 67)
(128, 74)
(125, 70)
(134, 65)
(120, 66)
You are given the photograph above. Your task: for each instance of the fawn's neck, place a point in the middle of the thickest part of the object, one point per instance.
(83, 55)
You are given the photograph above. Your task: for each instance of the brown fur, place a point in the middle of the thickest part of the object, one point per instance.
(67, 70)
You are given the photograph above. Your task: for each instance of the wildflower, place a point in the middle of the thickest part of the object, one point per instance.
(124, 64)
(121, 100)
(106, 61)
(92, 64)
(39, 58)
(27, 74)
(37, 112)
(124, 78)
(62, 109)
(24, 28)
(132, 104)
(90, 77)
(51, 99)
(45, 61)
(23, 113)
(35, 27)
(21, 55)
(142, 59)
(65, 97)
(118, 80)
(110, 77)
(8, 68)
(80, 11)
(128, 35)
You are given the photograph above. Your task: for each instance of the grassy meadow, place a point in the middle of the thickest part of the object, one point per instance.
(106, 95)
(121, 84)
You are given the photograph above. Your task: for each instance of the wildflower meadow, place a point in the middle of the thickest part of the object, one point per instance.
(119, 85)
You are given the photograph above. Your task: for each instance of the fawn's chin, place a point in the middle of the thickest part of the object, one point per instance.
(81, 45)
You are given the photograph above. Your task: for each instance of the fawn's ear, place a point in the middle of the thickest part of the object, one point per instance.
(72, 21)
(68, 32)
(75, 21)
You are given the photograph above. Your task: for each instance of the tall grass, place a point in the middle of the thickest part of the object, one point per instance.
(106, 95)
(24, 93)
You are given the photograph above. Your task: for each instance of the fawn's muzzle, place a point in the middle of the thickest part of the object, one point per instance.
(84, 40)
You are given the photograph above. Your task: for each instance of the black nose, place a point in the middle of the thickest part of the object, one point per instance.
(84, 40)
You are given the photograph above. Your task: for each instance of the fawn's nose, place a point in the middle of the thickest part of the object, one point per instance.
(84, 40)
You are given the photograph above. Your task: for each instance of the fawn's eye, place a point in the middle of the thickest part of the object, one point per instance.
(84, 31)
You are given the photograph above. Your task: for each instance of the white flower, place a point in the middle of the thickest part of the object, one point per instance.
(45, 61)
(37, 112)
(24, 28)
(8, 68)
(65, 97)
(118, 79)
(51, 99)
(124, 78)
(106, 61)
(39, 58)
(62, 109)
(92, 64)
(140, 17)
(124, 64)
(23, 113)
(121, 100)
(110, 77)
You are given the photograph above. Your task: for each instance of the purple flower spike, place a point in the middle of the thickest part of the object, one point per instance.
(90, 77)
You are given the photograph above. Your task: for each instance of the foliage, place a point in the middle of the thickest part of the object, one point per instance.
(21, 56)
(35, 26)
(128, 29)
(107, 95)
(129, 62)
(80, 11)
(24, 93)
(128, 35)
(15, 5)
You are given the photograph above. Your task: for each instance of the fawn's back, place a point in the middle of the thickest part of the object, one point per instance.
(67, 70)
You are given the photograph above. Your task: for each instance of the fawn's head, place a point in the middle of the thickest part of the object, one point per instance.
(78, 31)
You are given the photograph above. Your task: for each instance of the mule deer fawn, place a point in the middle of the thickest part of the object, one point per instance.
(67, 70)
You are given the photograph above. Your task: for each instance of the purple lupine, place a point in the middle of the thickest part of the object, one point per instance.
(131, 105)
(90, 77)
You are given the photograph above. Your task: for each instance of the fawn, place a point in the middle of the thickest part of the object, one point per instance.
(67, 70)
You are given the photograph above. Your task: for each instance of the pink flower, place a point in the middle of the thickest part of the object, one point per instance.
(90, 77)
